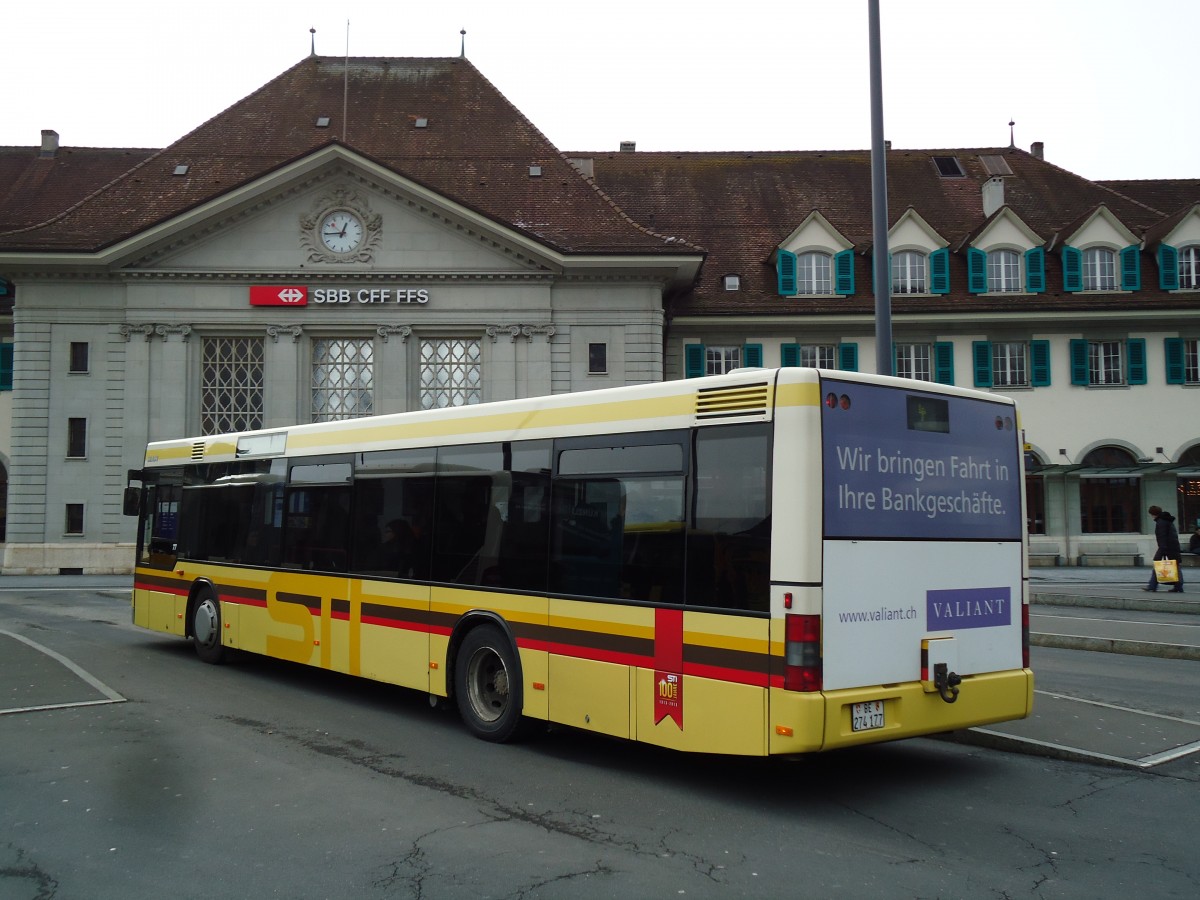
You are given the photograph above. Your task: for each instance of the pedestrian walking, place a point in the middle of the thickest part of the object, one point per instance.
(1167, 537)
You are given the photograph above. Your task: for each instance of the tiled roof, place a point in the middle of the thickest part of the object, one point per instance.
(741, 206)
(1169, 195)
(477, 150)
(35, 188)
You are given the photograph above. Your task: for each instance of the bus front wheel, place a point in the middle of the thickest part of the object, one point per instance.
(487, 680)
(206, 627)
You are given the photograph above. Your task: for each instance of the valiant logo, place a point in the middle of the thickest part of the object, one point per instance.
(278, 295)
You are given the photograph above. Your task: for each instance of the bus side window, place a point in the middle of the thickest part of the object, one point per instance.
(729, 529)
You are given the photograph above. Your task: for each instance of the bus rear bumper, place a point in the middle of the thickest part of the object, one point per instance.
(803, 723)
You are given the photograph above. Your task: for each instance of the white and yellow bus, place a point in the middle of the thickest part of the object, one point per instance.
(773, 561)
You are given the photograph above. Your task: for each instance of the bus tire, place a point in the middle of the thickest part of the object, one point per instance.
(206, 627)
(487, 681)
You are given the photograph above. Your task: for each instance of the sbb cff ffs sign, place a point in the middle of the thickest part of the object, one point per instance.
(298, 295)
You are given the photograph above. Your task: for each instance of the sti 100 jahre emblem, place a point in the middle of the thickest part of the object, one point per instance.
(668, 697)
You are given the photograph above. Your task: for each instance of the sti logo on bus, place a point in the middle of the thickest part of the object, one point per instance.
(278, 295)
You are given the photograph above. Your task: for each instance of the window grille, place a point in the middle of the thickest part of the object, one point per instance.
(231, 385)
(451, 373)
(343, 378)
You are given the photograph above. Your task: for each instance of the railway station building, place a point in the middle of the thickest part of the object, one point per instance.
(385, 234)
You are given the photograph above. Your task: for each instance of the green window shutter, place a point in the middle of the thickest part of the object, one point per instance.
(976, 271)
(3, 288)
(1168, 267)
(843, 268)
(786, 267)
(981, 353)
(1131, 268)
(693, 360)
(1135, 349)
(848, 357)
(939, 271)
(789, 355)
(1173, 350)
(1035, 270)
(1039, 363)
(1079, 361)
(943, 362)
(6, 367)
(1072, 263)
(752, 356)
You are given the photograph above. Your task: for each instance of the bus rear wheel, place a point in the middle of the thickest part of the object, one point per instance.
(206, 627)
(487, 680)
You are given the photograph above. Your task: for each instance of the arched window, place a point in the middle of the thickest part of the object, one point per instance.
(1189, 268)
(908, 273)
(1099, 269)
(1188, 491)
(1004, 271)
(1109, 501)
(813, 273)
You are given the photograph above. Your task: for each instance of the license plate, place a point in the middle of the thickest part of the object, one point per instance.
(865, 716)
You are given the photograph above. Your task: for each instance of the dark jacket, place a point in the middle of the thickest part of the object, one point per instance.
(1167, 537)
(1194, 545)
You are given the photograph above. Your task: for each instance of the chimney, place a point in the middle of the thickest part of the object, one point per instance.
(49, 143)
(1038, 149)
(628, 146)
(993, 195)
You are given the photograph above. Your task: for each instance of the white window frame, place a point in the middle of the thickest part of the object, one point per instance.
(910, 272)
(1106, 363)
(721, 359)
(1004, 271)
(1191, 361)
(818, 356)
(1100, 269)
(1189, 268)
(1010, 364)
(814, 273)
(914, 360)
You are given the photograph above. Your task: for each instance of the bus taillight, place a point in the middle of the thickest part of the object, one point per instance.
(802, 653)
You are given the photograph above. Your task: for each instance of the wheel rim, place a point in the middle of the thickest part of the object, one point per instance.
(487, 685)
(205, 623)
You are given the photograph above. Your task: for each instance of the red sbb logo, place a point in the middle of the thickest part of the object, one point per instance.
(278, 295)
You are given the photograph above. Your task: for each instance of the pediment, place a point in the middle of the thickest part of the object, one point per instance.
(1186, 231)
(1101, 228)
(912, 232)
(273, 225)
(1008, 230)
(815, 233)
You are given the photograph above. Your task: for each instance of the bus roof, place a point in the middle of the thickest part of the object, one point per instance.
(744, 395)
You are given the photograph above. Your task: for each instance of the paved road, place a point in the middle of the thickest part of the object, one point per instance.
(266, 779)
(1105, 730)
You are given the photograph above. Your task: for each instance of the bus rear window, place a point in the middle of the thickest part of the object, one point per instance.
(928, 414)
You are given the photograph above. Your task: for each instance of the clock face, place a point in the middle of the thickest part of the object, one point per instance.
(341, 231)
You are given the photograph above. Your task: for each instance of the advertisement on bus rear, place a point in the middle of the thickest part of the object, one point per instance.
(906, 464)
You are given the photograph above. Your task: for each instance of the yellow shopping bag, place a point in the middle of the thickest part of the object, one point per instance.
(1167, 571)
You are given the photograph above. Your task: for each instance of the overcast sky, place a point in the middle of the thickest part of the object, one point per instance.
(1109, 87)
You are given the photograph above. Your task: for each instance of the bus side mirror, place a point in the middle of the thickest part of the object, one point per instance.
(132, 502)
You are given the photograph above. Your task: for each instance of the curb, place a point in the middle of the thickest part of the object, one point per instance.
(1112, 645)
(1141, 604)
